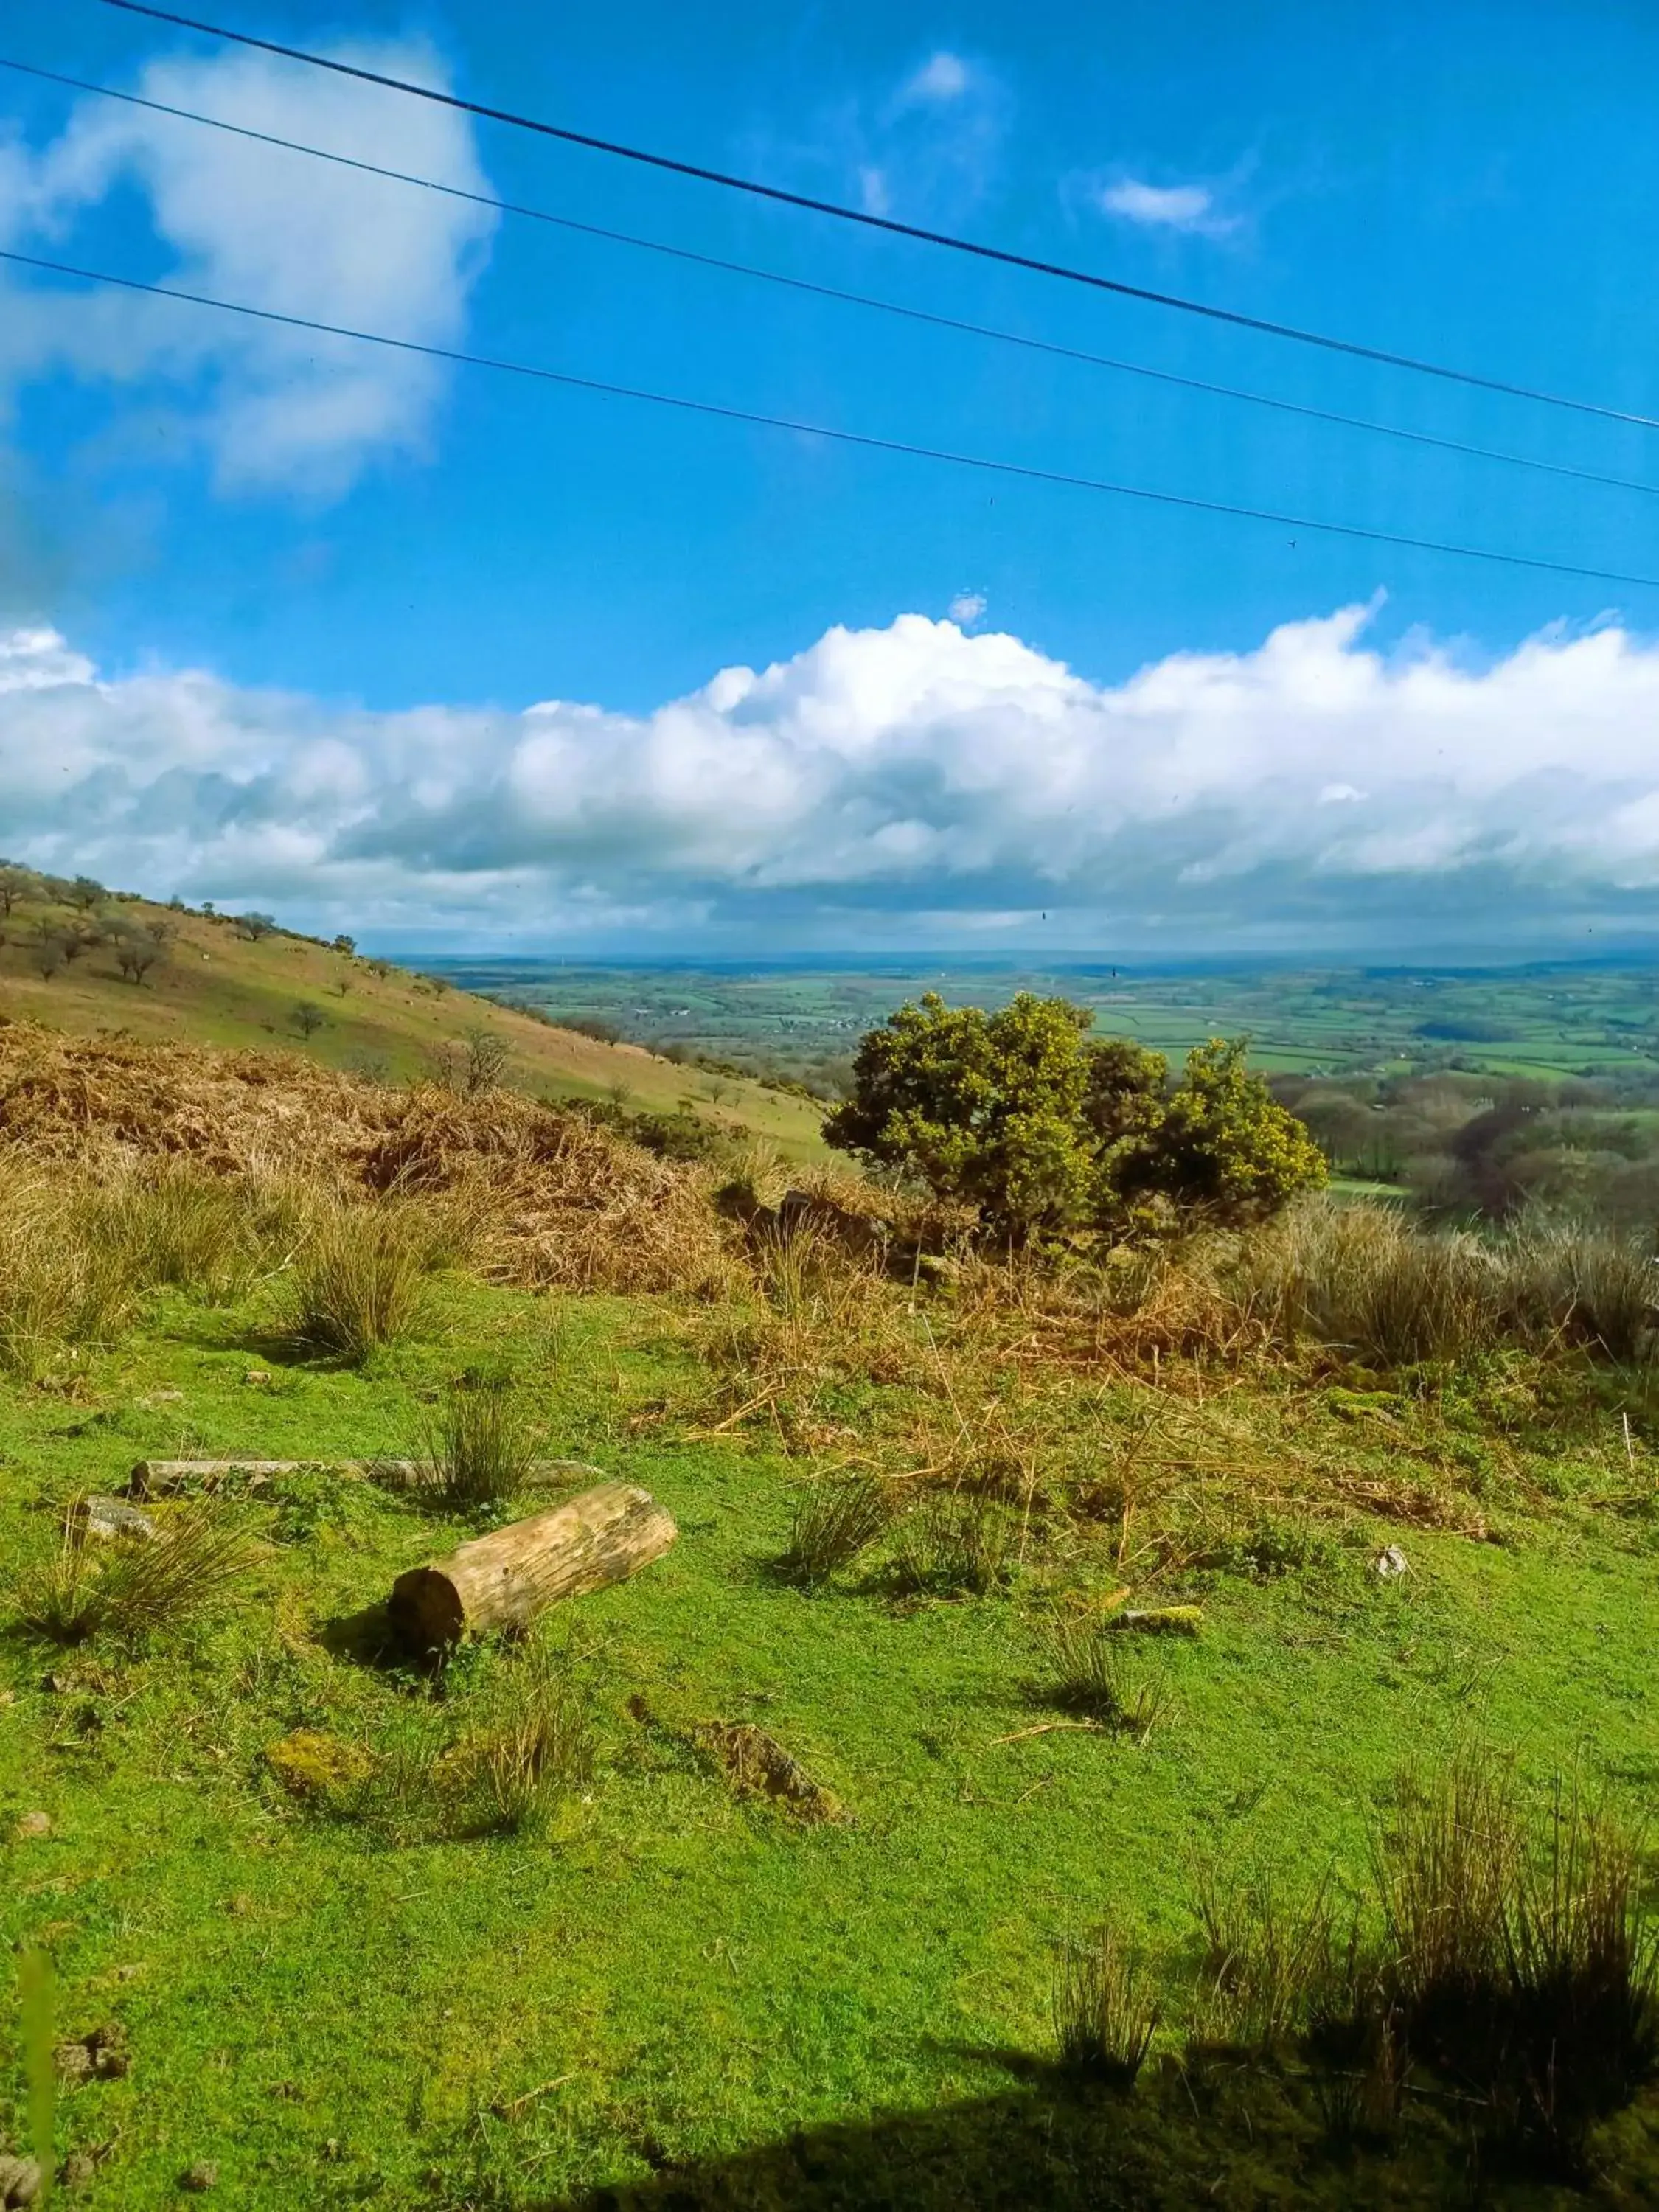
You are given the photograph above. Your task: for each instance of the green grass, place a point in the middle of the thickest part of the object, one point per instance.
(335, 2016)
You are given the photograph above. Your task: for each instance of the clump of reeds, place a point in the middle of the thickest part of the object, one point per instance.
(173, 1223)
(955, 1542)
(1093, 1672)
(1269, 1967)
(1362, 1278)
(1523, 1971)
(1106, 2013)
(135, 1587)
(535, 1746)
(361, 1276)
(835, 1519)
(1582, 1285)
(481, 1449)
(59, 1289)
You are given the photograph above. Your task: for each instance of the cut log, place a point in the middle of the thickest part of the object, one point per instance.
(504, 1580)
(166, 1478)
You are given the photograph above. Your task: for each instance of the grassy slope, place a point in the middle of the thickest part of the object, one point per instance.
(217, 987)
(332, 2019)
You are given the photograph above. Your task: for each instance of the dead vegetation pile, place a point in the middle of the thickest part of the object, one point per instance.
(555, 1201)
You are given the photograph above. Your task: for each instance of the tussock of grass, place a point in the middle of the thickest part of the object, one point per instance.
(58, 1289)
(835, 1520)
(1095, 1673)
(132, 1589)
(523, 1743)
(481, 1447)
(360, 1279)
(173, 1223)
(535, 1746)
(1270, 1968)
(1523, 1970)
(1105, 2011)
(954, 1543)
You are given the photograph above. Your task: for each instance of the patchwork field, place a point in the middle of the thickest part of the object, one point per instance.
(1564, 1019)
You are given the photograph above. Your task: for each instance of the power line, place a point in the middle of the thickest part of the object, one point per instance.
(888, 223)
(852, 299)
(1022, 470)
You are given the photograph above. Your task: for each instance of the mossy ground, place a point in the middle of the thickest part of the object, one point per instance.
(668, 1989)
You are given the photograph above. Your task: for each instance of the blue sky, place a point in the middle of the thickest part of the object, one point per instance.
(277, 611)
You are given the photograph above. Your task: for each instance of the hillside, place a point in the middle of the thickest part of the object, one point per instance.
(215, 984)
(1254, 1612)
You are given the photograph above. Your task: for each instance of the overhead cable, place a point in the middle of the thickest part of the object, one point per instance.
(851, 298)
(1025, 471)
(890, 224)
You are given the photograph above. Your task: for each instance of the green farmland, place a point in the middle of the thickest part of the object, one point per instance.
(1543, 1020)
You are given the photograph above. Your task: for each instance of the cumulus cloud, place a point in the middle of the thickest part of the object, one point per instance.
(943, 77)
(276, 230)
(914, 781)
(1167, 207)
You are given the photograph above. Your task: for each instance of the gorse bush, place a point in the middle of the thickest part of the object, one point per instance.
(1017, 1113)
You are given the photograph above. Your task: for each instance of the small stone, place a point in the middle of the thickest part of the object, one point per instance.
(1391, 1563)
(33, 1826)
(79, 2168)
(20, 2181)
(200, 2177)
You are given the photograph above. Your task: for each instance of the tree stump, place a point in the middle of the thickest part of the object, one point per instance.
(506, 1579)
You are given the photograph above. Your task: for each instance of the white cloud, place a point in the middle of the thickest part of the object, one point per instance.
(914, 778)
(943, 77)
(1167, 207)
(967, 607)
(276, 230)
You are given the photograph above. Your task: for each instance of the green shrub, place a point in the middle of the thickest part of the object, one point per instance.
(1017, 1115)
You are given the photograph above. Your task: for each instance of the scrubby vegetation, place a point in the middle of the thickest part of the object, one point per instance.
(874, 1832)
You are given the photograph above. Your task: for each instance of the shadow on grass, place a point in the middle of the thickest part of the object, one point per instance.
(1219, 2131)
(366, 1638)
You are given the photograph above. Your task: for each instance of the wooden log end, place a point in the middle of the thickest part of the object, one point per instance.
(425, 1611)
